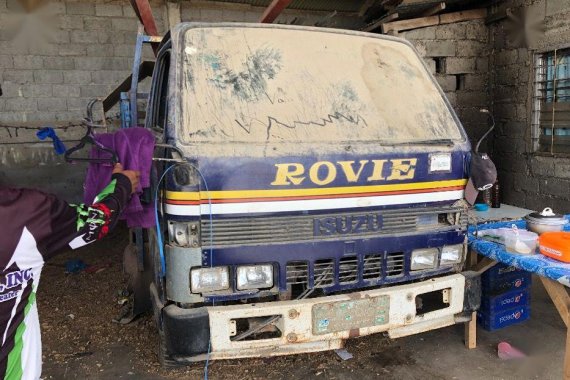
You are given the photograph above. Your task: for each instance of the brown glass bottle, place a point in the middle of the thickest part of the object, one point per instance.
(496, 195)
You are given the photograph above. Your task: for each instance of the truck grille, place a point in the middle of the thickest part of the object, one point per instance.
(280, 229)
(327, 273)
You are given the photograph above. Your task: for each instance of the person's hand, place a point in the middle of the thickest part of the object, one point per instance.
(132, 175)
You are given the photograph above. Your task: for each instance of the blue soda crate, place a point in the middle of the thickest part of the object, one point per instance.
(497, 320)
(502, 270)
(501, 284)
(508, 300)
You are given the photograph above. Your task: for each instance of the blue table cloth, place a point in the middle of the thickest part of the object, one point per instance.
(537, 263)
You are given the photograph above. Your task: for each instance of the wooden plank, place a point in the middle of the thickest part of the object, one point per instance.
(559, 296)
(365, 7)
(377, 24)
(471, 332)
(473, 14)
(566, 374)
(434, 10)
(410, 24)
(273, 11)
(484, 265)
(422, 22)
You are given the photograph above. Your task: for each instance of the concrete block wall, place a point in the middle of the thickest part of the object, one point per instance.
(458, 55)
(527, 179)
(53, 61)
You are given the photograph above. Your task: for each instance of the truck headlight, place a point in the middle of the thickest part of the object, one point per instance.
(205, 280)
(255, 277)
(451, 254)
(424, 258)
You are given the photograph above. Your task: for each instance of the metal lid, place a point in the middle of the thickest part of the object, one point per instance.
(547, 216)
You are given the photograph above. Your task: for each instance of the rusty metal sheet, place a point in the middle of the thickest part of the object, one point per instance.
(333, 317)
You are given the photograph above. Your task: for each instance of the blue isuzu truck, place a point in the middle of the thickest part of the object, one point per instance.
(312, 192)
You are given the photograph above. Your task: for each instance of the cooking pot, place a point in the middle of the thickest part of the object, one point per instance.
(545, 221)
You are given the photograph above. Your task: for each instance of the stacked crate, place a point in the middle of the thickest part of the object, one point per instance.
(506, 297)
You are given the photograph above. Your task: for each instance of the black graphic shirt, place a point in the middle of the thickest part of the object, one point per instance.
(36, 226)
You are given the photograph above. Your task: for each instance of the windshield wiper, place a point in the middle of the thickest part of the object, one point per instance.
(426, 142)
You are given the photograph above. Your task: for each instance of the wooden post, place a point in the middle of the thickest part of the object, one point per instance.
(559, 297)
(566, 370)
(273, 11)
(471, 332)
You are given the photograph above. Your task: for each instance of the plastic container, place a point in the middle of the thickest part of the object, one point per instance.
(497, 320)
(494, 285)
(522, 242)
(555, 245)
(508, 300)
(545, 221)
(501, 270)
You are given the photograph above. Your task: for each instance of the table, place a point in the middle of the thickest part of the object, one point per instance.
(554, 275)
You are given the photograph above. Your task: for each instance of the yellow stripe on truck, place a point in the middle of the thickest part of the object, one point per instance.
(246, 194)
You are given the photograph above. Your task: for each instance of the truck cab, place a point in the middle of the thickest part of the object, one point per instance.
(311, 191)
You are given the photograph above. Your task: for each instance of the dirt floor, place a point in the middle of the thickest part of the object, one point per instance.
(80, 341)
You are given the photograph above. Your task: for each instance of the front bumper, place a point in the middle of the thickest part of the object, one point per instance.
(189, 332)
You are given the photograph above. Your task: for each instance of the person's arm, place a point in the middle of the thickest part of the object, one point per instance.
(73, 226)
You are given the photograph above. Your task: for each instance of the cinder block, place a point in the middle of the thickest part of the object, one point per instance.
(109, 10)
(102, 63)
(233, 15)
(58, 63)
(111, 77)
(482, 64)
(128, 24)
(420, 34)
(94, 91)
(475, 82)
(65, 91)
(97, 23)
(128, 11)
(13, 90)
(471, 98)
(69, 116)
(526, 183)
(561, 167)
(70, 22)
(81, 8)
(18, 76)
(84, 37)
(43, 49)
(555, 187)
(6, 62)
(10, 117)
(447, 82)
(211, 15)
(455, 31)
(102, 50)
(123, 50)
(477, 30)
(28, 62)
(77, 77)
(74, 104)
(440, 48)
(468, 48)
(459, 65)
(37, 91)
(48, 76)
(548, 167)
(452, 98)
(71, 50)
(506, 57)
(20, 104)
(12, 48)
(52, 104)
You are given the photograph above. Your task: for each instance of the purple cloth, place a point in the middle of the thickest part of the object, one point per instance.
(134, 147)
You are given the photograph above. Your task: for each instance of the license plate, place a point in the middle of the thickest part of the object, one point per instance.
(347, 315)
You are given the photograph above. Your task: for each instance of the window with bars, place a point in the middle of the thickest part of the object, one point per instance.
(551, 108)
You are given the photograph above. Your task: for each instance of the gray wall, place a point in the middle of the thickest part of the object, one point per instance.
(528, 180)
(463, 50)
(79, 50)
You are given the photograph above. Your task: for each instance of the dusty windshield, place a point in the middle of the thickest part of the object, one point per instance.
(256, 85)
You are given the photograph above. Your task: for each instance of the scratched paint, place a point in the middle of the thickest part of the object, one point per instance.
(257, 85)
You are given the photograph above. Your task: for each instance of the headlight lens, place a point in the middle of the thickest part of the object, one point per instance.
(204, 280)
(451, 254)
(255, 277)
(424, 258)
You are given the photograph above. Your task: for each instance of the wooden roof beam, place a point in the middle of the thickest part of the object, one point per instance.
(378, 23)
(434, 10)
(422, 22)
(274, 10)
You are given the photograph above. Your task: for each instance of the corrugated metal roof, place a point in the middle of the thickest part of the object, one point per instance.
(309, 5)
